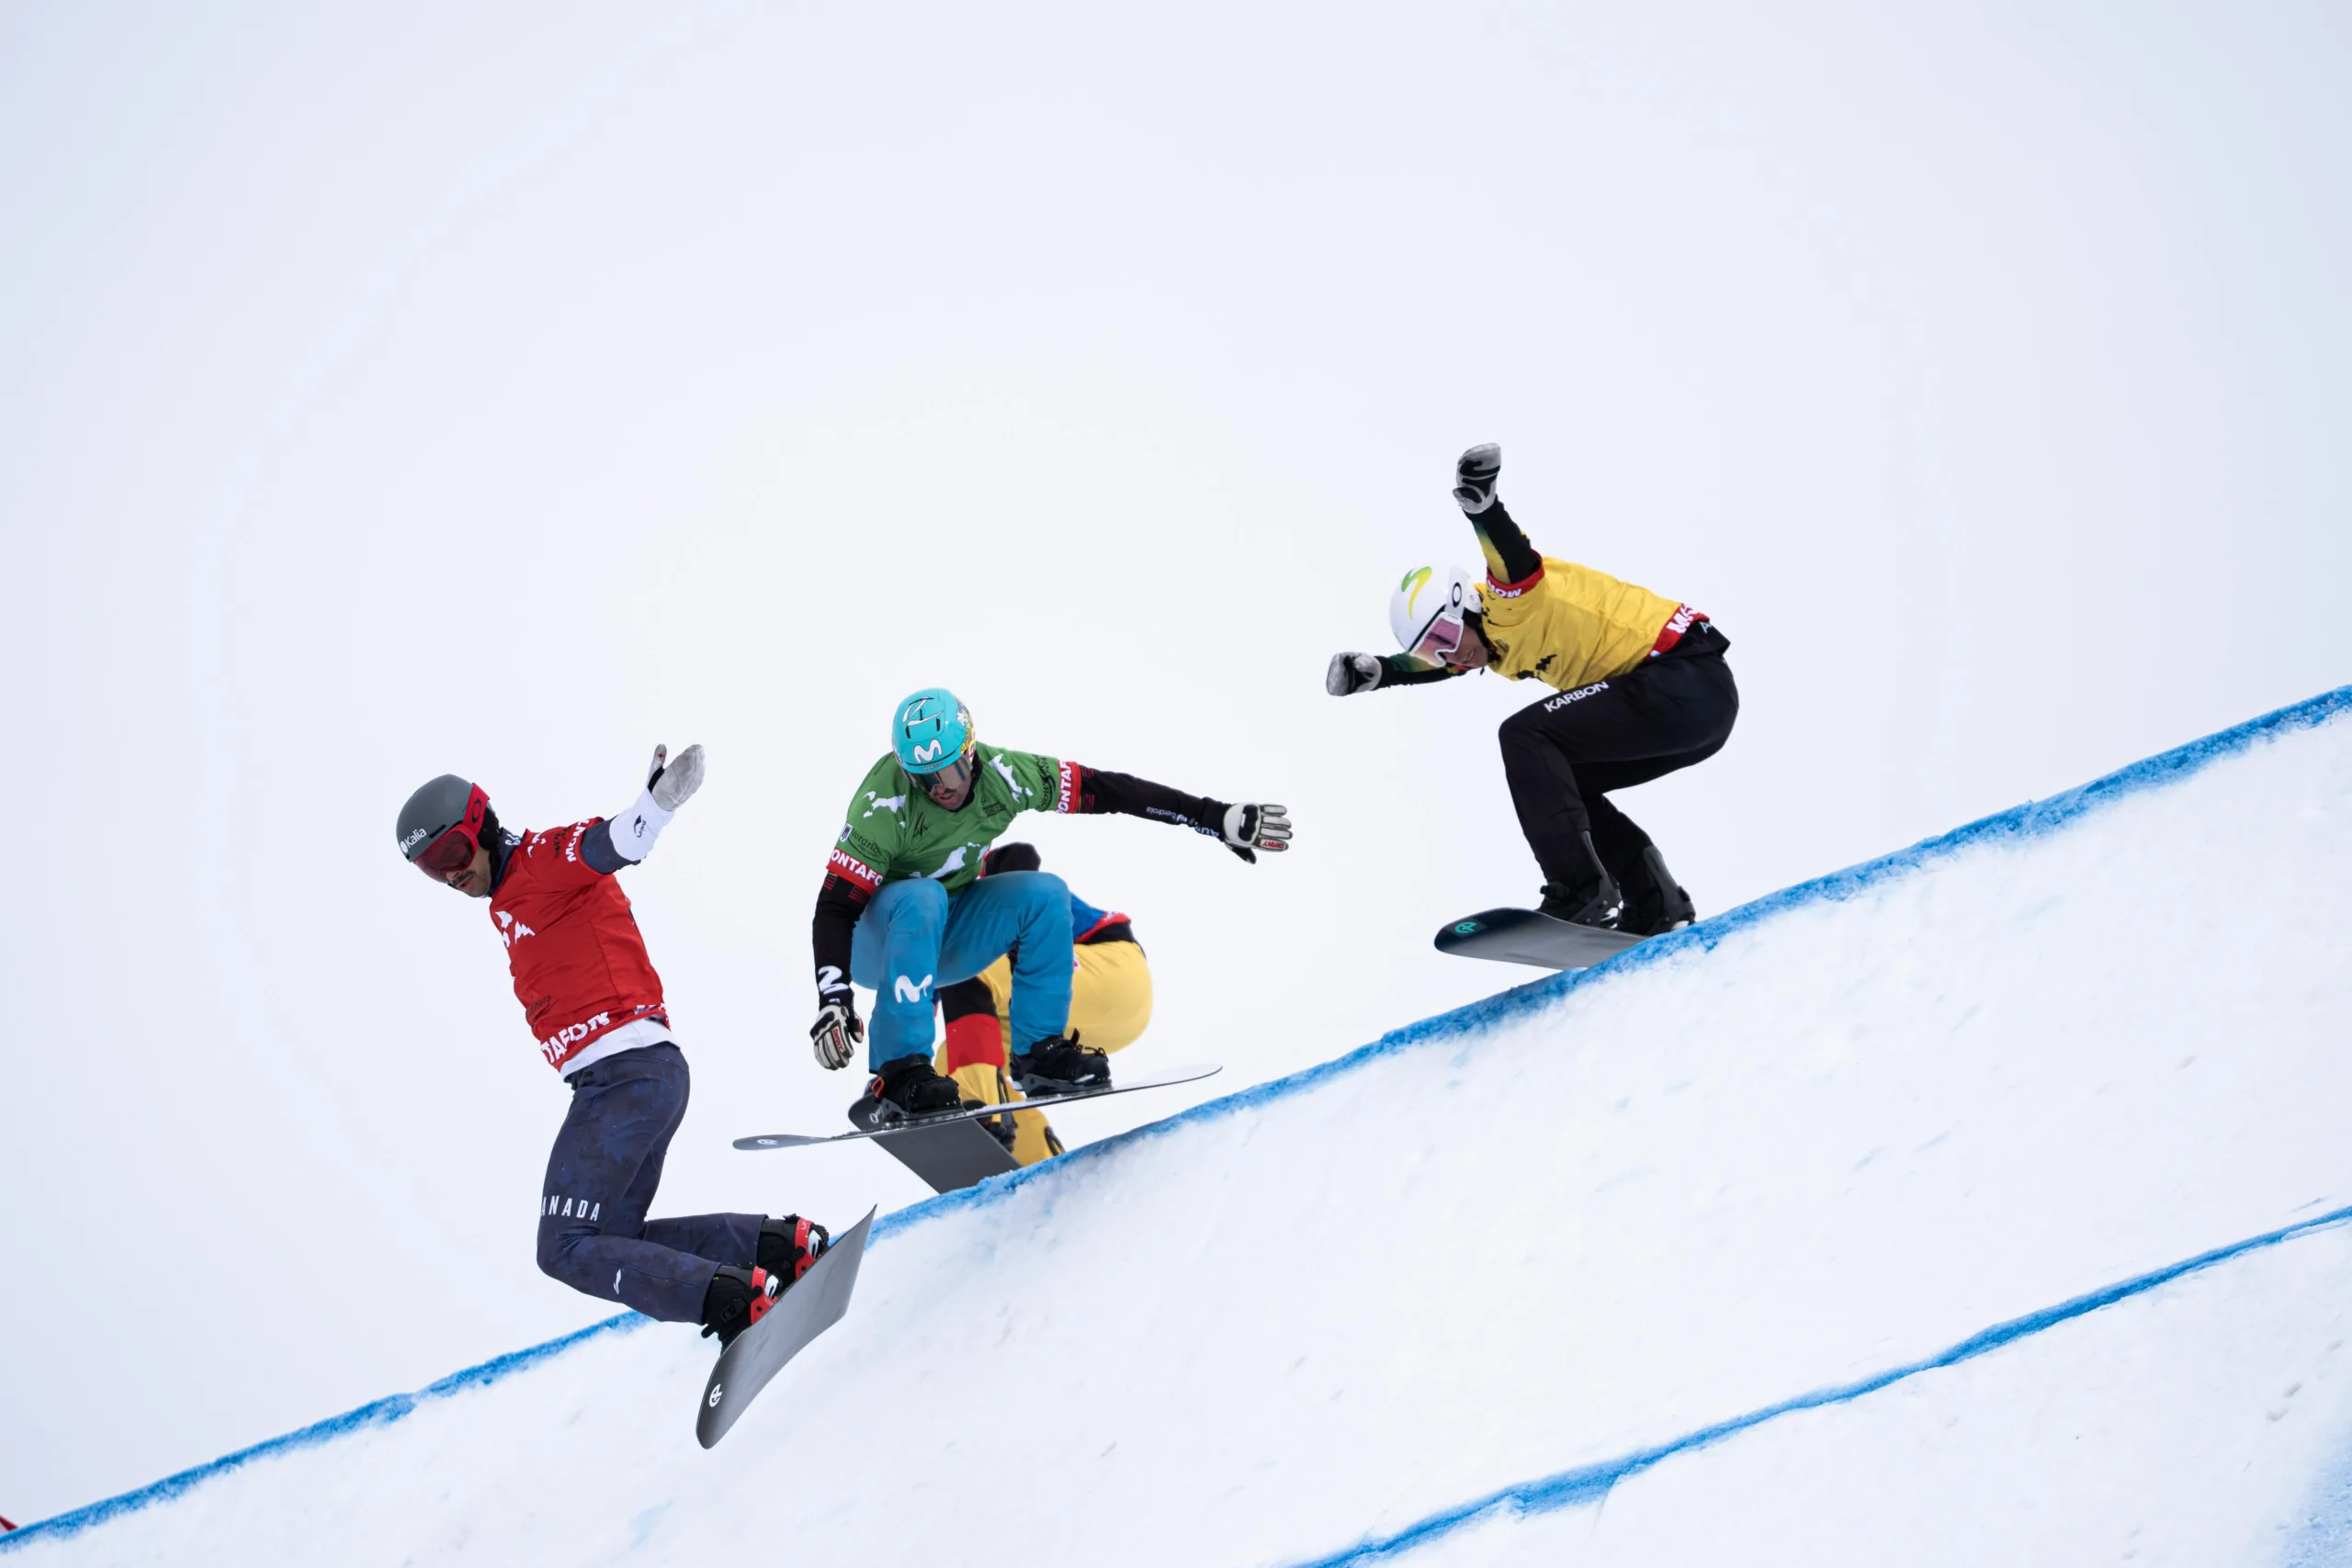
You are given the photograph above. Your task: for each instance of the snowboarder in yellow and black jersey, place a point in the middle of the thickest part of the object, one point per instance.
(1642, 688)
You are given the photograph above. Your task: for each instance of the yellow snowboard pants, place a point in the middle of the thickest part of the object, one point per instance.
(1110, 1004)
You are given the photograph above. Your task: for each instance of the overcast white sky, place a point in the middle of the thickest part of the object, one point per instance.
(388, 390)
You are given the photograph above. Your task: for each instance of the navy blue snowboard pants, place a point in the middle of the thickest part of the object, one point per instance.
(594, 1235)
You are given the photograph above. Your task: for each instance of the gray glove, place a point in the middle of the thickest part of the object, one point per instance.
(1474, 473)
(672, 784)
(1249, 828)
(1352, 673)
(836, 1034)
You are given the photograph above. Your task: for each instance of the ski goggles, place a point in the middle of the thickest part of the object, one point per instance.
(1440, 638)
(453, 849)
(949, 780)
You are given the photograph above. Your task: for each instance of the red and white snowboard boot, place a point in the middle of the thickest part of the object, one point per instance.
(789, 1246)
(737, 1299)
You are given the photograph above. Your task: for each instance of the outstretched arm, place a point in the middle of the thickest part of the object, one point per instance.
(627, 839)
(1352, 673)
(1512, 564)
(1243, 829)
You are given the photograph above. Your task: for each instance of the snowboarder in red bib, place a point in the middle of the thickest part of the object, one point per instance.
(903, 910)
(595, 1004)
(1641, 688)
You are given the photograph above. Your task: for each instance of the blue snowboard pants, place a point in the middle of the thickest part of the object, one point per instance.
(594, 1235)
(914, 938)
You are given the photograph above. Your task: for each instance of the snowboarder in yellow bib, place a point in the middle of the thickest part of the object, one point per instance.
(1641, 689)
(1110, 1004)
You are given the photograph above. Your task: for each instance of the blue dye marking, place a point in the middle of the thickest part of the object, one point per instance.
(641, 1526)
(383, 1413)
(1590, 1483)
(2033, 819)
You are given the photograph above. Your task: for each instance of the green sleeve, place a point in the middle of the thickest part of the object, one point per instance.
(1034, 781)
(871, 828)
(1404, 670)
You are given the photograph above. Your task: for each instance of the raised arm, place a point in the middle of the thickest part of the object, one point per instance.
(627, 838)
(1513, 565)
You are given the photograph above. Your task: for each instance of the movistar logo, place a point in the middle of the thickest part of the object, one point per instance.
(930, 753)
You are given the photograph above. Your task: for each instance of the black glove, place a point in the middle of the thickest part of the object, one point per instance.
(1010, 857)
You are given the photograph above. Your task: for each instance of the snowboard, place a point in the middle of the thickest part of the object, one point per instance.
(890, 1132)
(1526, 936)
(807, 1307)
(953, 1156)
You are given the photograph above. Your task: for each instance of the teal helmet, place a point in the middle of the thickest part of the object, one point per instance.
(931, 731)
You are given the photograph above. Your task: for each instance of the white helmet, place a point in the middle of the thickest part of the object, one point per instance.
(1429, 601)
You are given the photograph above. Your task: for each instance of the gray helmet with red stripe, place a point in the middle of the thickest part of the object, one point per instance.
(445, 819)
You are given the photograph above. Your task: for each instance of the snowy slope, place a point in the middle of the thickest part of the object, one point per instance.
(1983, 1203)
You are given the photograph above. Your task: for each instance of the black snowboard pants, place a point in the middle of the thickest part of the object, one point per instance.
(606, 1162)
(1564, 755)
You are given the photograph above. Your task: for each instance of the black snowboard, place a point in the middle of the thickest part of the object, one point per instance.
(1524, 936)
(952, 1156)
(811, 1305)
(890, 1131)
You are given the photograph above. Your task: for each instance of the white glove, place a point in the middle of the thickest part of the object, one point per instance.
(673, 784)
(836, 1034)
(1352, 673)
(1249, 828)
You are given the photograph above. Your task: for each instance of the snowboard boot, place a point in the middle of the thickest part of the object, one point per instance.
(737, 1299)
(1474, 473)
(1596, 904)
(789, 1246)
(1057, 1066)
(912, 1087)
(1654, 902)
(1587, 896)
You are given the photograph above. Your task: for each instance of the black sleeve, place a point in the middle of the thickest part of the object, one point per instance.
(1404, 670)
(596, 847)
(839, 903)
(1131, 797)
(1511, 560)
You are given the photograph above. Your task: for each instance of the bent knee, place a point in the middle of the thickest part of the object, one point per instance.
(1519, 727)
(556, 1246)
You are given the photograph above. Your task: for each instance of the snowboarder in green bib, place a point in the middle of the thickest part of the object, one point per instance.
(903, 910)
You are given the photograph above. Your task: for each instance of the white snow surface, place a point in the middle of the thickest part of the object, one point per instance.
(1985, 1203)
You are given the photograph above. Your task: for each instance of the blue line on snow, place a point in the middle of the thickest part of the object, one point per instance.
(1590, 1483)
(2036, 818)
(382, 1413)
(2033, 819)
